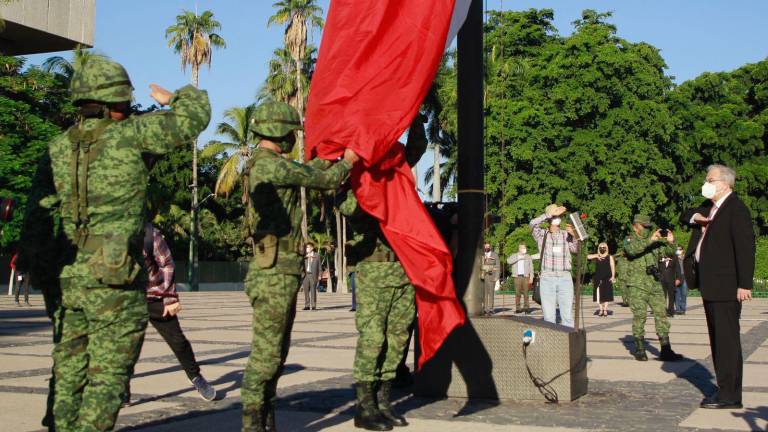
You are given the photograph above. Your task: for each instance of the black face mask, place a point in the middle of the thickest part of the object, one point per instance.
(603, 250)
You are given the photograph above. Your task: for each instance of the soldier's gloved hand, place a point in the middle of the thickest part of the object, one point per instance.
(161, 95)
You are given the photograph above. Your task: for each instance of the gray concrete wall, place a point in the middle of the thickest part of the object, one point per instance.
(35, 26)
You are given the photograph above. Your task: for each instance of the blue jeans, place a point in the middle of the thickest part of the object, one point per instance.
(681, 297)
(557, 290)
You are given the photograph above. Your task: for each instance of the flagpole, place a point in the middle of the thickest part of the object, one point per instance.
(471, 164)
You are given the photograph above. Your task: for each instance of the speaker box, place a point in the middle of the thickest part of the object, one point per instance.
(484, 359)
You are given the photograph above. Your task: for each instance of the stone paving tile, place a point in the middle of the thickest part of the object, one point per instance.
(753, 418)
(760, 355)
(316, 392)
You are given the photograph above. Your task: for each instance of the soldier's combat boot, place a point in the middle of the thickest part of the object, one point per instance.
(269, 417)
(383, 396)
(666, 350)
(367, 415)
(639, 352)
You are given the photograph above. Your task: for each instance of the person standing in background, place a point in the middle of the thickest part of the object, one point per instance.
(491, 269)
(522, 270)
(605, 275)
(681, 296)
(311, 277)
(668, 272)
(556, 281)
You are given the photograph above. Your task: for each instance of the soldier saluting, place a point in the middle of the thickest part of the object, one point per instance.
(274, 275)
(98, 186)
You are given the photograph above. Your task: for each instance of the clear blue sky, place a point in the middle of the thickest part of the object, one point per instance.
(694, 36)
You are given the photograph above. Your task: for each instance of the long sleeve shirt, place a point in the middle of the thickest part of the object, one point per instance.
(556, 260)
(161, 269)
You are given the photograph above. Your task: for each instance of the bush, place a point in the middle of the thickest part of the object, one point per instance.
(761, 258)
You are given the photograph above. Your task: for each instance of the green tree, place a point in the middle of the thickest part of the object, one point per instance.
(193, 37)
(298, 16)
(34, 108)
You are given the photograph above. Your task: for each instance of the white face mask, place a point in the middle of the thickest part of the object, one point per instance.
(708, 190)
(523, 251)
(679, 253)
(556, 222)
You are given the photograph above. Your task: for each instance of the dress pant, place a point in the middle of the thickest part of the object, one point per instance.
(725, 340)
(309, 286)
(681, 297)
(521, 289)
(669, 292)
(170, 330)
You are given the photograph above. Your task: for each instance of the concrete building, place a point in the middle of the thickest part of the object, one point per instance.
(38, 26)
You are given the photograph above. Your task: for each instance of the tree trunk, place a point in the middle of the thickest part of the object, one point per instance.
(437, 194)
(337, 262)
(343, 278)
(300, 143)
(192, 272)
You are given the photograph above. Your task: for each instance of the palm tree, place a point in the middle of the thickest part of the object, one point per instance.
(298, 15)
(281, 77)
(66, 68)
(239, 143)
(193, 37)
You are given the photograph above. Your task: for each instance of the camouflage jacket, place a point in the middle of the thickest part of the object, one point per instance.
(275, 184)
(641, 252)
(114, 200)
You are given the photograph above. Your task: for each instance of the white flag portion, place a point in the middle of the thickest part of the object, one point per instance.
(460, 10)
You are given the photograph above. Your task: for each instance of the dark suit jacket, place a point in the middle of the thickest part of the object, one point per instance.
(689, 259)
(727, 256)
(668, 271)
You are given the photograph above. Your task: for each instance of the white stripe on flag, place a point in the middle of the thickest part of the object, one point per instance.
(460, 10)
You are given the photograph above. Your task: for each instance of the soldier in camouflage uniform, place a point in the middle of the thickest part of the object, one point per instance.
(99, 187)
(38, 257)
(273, 278)
(642, 250)
(621, 271)
(385, 307)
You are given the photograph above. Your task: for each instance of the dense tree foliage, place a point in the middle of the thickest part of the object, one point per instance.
(34, 107)
(593, 122)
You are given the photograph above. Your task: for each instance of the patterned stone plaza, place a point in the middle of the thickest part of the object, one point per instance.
(316, 391)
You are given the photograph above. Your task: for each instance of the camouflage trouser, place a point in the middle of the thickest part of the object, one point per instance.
(101, 333)
(644, 297)
(52, 298)
(383, 317)
(273, 298)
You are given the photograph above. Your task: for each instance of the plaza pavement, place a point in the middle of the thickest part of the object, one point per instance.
(316, 391)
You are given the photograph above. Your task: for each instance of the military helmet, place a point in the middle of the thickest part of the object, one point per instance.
(102, 80)
(276, 121)
(641, 219)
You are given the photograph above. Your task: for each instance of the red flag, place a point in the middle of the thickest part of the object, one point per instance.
(377, 61)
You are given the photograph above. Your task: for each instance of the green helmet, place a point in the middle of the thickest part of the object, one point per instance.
(276, 121)
(102, 80)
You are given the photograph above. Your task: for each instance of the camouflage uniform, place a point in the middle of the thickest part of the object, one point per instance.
(100, 190)
(645, 291)
(38, 255)
(385, 307)
(273, 277)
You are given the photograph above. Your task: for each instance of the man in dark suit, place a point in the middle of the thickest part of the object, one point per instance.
(722, 249)
(667, 271)
(311, 277)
